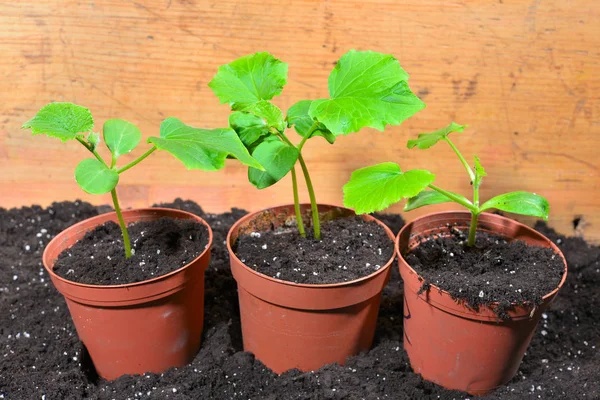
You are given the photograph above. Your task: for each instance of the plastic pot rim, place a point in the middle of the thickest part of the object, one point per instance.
(472, 314)
(76, 228)
(251, 215)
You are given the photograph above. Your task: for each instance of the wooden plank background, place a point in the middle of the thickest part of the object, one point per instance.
(523, 74)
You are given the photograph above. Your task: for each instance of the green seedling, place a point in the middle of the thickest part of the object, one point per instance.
(204, 149)
(377, 187)
(366, 89)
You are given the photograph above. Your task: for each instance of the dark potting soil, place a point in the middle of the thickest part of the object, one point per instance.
(492, 271)
(350, 248)
(41, 357)
(158, 247)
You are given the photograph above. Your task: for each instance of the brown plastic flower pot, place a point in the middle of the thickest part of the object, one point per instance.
(139, 327)
(451, 344)
(288, 325)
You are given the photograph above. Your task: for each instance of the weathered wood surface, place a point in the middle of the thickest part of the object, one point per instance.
(524, 75)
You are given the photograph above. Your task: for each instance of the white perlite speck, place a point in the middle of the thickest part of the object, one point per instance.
(264, 246)
(255, 234)
(481, 294)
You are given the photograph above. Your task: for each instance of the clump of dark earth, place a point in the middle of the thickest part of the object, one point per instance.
(40, 354)
(158, 247)
(494, 272)
(350, 248)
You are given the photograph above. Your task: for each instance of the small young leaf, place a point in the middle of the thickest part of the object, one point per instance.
(427, 198)
(376, 187)
(120, 136)
(93, 139)
(61, 120)
(298, 116)
(479, 172)
(249, 127)
(94, 177)
(426, 140)
(524, 203)
(269, 112)
(367, 89)
(278, 159)
(249, 79)
(197, 148)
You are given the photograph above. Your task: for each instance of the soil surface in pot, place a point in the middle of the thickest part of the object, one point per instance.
(40, 354)
(494, 270)
(350, 248)
(158, 247)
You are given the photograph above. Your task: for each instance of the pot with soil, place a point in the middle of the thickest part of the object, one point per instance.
(470, 312)
(138, 314)
(305, 302)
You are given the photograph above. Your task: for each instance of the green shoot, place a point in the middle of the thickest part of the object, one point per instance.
(197, 148)
(366, 89)
(377, 187)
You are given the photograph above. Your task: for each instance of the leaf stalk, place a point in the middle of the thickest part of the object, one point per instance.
(136, 161)
(126, 241)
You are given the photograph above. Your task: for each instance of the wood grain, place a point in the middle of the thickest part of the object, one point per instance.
(524, 75)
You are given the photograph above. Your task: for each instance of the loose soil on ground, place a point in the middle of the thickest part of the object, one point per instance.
(41, 357)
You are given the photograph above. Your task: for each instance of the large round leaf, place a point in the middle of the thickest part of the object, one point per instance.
(249, 79)
(367, 89)
(61, 120)
(95, 177)
(377, 187)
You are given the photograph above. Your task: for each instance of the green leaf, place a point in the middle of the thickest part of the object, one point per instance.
(249, 79)
(95, 177)
(120, 136)
(524, 203)
(249, 127)
(61, 120)
(367, 89)
(298, 116)
(93, 139)
(278, 159)
(269, 112)
(426, 140)
(197, 148)
(377, 187)
(427, 198)
(479, 172)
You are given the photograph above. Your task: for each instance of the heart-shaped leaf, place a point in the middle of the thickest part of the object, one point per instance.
(276, 157)
(197, 148)
(426, 140)
(367, 89)
(249, 127)
(249, 79)
(298, 117)
(269, 112)
(95, 177)
(524, 203)
(120, 136)
(376, 187)
(65, 121)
